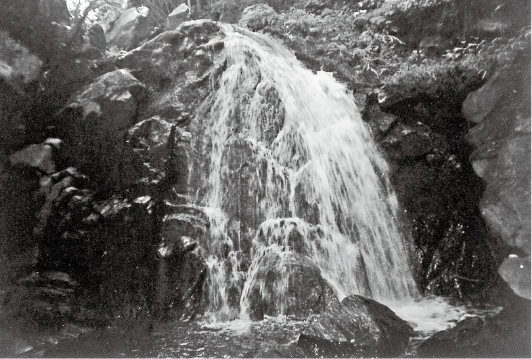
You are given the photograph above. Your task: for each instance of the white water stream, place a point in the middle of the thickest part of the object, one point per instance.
(287, 143)
(321, 152)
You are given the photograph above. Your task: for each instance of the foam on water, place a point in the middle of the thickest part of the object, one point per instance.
(432, 314)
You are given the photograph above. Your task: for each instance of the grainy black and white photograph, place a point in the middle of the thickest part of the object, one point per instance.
(265, 178)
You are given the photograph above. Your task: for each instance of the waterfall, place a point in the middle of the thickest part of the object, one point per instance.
(284, 142)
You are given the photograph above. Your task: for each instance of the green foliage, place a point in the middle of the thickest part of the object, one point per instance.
(329, 40)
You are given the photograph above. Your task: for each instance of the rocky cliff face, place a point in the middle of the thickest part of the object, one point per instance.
(105, 204)
(423, 137)
(500, 111)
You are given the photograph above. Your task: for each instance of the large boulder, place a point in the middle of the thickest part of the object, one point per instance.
(501, 110)
(504, 335)
(38, 156)
(403, 142)
(179, 15)
(284, 282)
(256, 17)
(358, 327)
(193, 49)
(96, 120)
(133, 26)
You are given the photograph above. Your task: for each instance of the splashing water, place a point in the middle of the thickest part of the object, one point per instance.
(285, 142)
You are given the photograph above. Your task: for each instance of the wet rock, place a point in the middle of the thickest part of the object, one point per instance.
(194, 48)
(285, 282)
(134, 25)
(36, 156)
(358, 327)
(502, 150)
(440, 191)
(378, 22)
(404, 141)
(506, 335)
(96, 38)
(380, 122)
(256, 17)
(151, 137)
(106, 16)
(177, 225)
(360, 23)
(186, 274)
(179, 15)
(95, 121)
(290, 233)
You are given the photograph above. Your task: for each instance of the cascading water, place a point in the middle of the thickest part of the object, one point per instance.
(285, 142)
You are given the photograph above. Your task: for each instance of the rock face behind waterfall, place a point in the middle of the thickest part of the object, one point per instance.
(423, 135)
(288, 283)
(358, 327)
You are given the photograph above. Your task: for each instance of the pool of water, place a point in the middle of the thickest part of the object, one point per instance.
(272, 337)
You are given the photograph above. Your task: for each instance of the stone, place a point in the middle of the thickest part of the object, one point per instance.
(256, 17)
(358, 327)
(149, 138)
(46, 299)
(134, 25)
(516, 272)
(505, 335)
(179, 15)
(405, 141)
(37, 156)
(106, 16)
(289, 233)
(151, 135)
(502, 150)
(96, 120)
(175, 96)
(96, 38)
(480, 103)
(284, 282)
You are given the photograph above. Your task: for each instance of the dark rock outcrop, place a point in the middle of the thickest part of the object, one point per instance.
(95, 122)
(134, 25)
(423, 136)
(358, 327)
